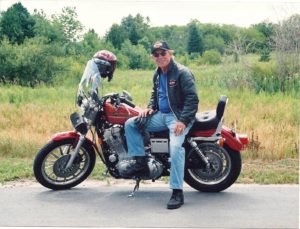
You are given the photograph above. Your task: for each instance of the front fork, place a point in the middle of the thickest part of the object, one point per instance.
(76, 151)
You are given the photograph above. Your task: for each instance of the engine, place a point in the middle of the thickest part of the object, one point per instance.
(118, 157)
(113, 137)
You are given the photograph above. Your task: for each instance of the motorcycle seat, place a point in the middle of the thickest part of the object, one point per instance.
(209, 120)
(206, 120)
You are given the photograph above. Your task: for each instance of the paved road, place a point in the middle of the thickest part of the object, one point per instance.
(100, 205)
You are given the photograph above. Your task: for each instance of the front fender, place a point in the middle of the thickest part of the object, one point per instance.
(70, 135)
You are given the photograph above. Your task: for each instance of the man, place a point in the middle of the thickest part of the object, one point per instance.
(173, 105)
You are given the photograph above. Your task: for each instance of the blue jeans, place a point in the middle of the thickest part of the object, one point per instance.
(159, 122)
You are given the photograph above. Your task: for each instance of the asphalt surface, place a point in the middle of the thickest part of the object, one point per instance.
(101, 205)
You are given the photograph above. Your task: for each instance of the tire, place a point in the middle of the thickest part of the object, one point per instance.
(51, 159)
(225, 168)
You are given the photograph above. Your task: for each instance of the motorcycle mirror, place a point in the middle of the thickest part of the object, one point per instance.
(127, 95)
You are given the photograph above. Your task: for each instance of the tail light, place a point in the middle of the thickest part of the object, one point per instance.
(243, 138)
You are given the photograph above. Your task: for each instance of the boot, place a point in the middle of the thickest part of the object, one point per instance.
(176, 200)
(135, 168)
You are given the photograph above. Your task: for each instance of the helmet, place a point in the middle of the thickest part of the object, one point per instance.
(106, 63)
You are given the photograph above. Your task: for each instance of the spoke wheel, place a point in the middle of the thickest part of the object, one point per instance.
(222, 171)
(50, 164)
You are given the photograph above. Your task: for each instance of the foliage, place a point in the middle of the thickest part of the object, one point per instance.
(287, 49)
(43, 27)
(136, 27)
(69, 22)
(194, 43)
(131, 28)
(16, 24)
(264, 77)
(225, 32)
(213, 42)
(176, 36)
(43, 48)
(138, 57)
(116, 35)
(211, 57)
(16, 62)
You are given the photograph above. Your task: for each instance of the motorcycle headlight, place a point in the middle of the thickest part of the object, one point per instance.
(78, 123)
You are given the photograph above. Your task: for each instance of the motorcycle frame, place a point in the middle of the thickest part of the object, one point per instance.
(224, 132)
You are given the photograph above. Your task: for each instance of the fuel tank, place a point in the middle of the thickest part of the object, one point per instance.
(119, 114)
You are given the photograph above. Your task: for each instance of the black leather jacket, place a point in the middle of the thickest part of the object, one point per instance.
(182, 93)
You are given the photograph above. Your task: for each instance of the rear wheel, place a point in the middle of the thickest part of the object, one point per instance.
(223, 170)
(49, 164)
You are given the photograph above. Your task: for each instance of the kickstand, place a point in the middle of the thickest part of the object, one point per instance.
(136, 188)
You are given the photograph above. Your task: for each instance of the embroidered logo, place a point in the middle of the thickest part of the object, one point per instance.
(157, 45)
(172, 83)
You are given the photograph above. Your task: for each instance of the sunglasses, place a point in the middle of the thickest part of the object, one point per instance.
(157, 54)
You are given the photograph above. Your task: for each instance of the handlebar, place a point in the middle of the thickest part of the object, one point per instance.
(116, 98)
(123, 100)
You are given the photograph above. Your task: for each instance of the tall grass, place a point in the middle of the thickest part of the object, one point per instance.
(28, 117)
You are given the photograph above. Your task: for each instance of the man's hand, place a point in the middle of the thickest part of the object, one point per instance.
(179, 128)
(146, 112)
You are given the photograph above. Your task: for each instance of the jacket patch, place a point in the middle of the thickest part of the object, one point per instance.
(172, 83)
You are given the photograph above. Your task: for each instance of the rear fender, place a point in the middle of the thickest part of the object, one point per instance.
(234, 140)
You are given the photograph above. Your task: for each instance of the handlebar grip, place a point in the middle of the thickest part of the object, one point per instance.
(127, 102)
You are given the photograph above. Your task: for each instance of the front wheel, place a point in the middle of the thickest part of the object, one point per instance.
(223, 169)
(50, 162)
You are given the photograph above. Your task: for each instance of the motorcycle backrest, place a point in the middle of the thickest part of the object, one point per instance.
(221, 106)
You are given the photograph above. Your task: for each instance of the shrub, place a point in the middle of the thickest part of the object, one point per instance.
(211, 57)
(137, 55)
(31, 63)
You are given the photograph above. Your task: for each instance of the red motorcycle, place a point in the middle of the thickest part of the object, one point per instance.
(213, 160)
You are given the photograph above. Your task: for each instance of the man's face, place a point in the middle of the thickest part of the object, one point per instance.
(162, 58)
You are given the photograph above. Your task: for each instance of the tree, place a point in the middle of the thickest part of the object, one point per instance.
(136, 27)
(212, 57)
(287, 49)
(238, 46)
(30, 63)
(92, 42)
(195, 41)
(138, 57)
(267, 44)
(117, 35)
(44, 27)
(213, 42)
(17, 24)
(72, 27)
(176, 36)
(224, 32)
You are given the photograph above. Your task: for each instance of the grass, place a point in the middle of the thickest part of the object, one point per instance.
(29, 117)
(285, 171)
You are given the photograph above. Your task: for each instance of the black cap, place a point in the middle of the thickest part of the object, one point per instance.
(160, 45)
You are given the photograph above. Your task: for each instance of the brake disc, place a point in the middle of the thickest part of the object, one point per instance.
(215, 166)
(59, 167)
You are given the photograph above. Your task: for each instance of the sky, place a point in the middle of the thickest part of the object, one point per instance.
(100, 15)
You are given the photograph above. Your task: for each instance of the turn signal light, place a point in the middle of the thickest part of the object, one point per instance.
(221, 142)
